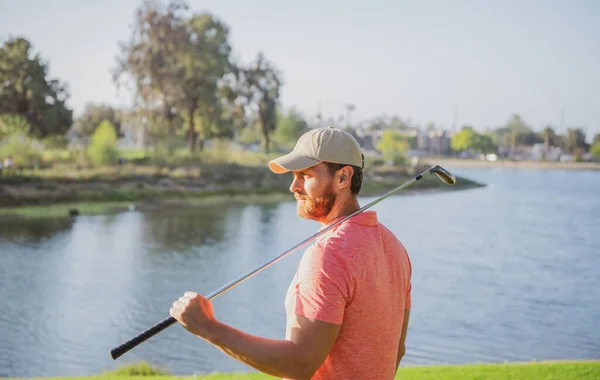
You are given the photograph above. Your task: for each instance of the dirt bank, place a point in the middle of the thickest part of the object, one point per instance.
(209, 184)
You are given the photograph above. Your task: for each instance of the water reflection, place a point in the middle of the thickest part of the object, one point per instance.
(178, 229)
(25, 231)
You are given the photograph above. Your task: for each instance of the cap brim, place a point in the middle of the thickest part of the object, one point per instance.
(291, 162)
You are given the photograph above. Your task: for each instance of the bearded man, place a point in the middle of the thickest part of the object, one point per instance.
(348, 305)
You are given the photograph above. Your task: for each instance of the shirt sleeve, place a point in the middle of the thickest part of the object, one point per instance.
(322, 285)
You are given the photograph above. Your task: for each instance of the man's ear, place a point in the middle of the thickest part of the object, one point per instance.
(345, 177)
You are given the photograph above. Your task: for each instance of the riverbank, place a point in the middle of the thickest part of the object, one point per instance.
(149, 187)
(474, 163)
(563, 370)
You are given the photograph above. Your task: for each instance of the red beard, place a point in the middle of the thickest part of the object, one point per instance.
(315, 208)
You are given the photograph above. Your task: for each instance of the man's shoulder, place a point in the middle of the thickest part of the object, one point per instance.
(357, 233)
(349, 236)
(341, 243)
(335, 247)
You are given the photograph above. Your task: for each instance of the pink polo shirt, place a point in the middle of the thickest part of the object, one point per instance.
(358, 276)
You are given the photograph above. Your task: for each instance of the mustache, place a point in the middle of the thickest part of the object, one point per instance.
(300, 197)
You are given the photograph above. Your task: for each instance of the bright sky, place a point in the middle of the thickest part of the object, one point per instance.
(416, 59)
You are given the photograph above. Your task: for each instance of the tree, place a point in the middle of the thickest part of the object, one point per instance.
(92, 116)
(575, 141)
(517, 127)
(256, 88)
(483, 143)
(177, 62)
(290, 127)
(150, 57)
(393, 146)
(397, 123)
(500, 137)
(380, 124)
(204, 61)
(595, 149)
(549, 139)
(463, 140)
(596, 139)
(469, 139)
(27, 90)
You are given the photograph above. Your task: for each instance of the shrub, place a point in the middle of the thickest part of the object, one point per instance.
(219, 150)
(15, 142)
(595, 150)
(249, 136)
(103, 145)
(11, 125)
(392, 146)
(137, 369)
(56, 142)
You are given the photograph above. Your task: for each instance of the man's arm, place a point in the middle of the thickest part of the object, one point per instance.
(299, 356)
(402, 344)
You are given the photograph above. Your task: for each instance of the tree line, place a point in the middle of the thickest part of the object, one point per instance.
(398, 137)
(188, 88)
(517, 133)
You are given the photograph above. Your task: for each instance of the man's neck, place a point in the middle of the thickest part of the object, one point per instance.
(342, 208)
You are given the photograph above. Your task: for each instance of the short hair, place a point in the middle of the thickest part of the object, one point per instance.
(357, 177)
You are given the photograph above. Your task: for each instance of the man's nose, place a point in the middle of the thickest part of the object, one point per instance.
(296, 185)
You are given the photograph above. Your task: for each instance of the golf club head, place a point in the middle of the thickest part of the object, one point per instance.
(443, 174)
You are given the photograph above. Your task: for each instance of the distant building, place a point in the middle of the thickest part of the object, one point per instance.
(368, 139)
(537, 152)
(435, 142)
(567, 158)
(439, 142)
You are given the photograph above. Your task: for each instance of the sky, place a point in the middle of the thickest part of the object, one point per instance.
(473, 62)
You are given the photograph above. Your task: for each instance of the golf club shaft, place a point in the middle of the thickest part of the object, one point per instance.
(150, 332)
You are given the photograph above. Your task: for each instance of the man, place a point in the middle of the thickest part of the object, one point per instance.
(349, 304)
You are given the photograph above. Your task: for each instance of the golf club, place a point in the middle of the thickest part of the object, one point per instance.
(116, 352)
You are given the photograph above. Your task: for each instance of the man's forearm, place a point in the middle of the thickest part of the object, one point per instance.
(272, 356)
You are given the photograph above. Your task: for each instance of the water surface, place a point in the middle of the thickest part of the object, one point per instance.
(508, 272)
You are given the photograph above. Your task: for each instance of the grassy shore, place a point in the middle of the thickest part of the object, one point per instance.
(106, 189)
(566, 370)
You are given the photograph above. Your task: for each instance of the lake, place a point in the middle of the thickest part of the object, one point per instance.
(507, 272)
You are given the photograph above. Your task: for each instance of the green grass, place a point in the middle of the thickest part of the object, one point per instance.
(98, 208)
(62, 209)
(562, 370)
(512, 371)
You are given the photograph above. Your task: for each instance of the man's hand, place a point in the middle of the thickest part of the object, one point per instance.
(195, 313)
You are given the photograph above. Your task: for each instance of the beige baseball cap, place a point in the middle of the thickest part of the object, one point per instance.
(317, 145)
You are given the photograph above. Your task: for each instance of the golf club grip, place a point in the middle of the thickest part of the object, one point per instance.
(141, 337)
